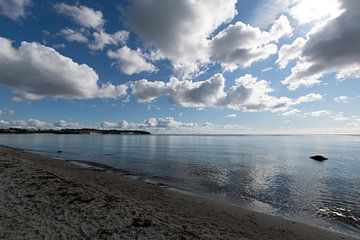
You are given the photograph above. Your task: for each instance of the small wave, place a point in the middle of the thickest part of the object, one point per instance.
(341, 214)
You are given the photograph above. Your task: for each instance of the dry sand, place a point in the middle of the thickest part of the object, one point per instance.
(44, 198)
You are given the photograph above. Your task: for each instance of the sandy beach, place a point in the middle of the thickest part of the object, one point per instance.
(44, 198)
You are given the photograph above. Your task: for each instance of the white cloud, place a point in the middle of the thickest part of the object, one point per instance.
(320, 113)
(340, 117)
(30, 123)
(112, 125)
(330, 47)
(289, 52)
(341, 99)
(240, 45)
(151, 123)
(179, 29)
(307, 11)
(233, 115)
(62, 124)
(36, 71)
(38, 124)
(73, 36)
(147, 91)
(131, 61)
(309, 98)
(280, 28)
(267, 69)
(292, 112)
(247, 94)
(158, 124)
(6, 112)
(59, 45)
(353, 124)
(89, 18)
(82, 15)
(171, 125)
(185, 33)
(14, 9)
(101, 39)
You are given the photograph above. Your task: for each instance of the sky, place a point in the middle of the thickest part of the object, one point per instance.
(181, 66)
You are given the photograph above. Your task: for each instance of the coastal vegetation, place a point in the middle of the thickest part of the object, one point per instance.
(72, 131)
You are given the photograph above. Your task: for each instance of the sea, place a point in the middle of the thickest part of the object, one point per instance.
(272, 174)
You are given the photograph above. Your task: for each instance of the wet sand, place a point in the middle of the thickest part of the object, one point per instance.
(44, 198)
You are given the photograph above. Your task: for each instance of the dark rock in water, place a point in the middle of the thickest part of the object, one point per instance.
(318, 158)
(59, 151)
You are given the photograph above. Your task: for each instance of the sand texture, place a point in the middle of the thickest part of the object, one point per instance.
(44, 198)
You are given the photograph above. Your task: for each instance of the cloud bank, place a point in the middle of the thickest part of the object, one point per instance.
(247, 94)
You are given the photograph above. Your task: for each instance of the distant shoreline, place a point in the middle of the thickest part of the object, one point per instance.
(42, 196)
(72, 131)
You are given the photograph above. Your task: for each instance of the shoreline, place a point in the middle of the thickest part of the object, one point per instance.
(43, 196)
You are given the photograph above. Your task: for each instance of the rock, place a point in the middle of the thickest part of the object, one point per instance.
(318, 158)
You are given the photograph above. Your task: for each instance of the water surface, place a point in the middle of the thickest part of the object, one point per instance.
(270, 174)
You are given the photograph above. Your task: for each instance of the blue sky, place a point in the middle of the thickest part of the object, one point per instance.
(214, 66)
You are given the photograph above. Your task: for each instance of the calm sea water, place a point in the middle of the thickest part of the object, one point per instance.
(271, 174)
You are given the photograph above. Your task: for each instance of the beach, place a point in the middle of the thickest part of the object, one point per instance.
(45, 198)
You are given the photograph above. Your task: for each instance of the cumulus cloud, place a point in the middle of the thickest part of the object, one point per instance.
(89, 19)
(131, 61)
(179, 29)
(247, 94)
(82, 15)
(183, 31)
(240, 45)
(36, 71)
(331, 47)
(73, 36)
(14, 9)
(183, 93)
(101, 39)
(233, 115)
(147, 91)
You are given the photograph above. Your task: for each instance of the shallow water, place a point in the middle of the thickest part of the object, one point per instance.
(271, 174)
